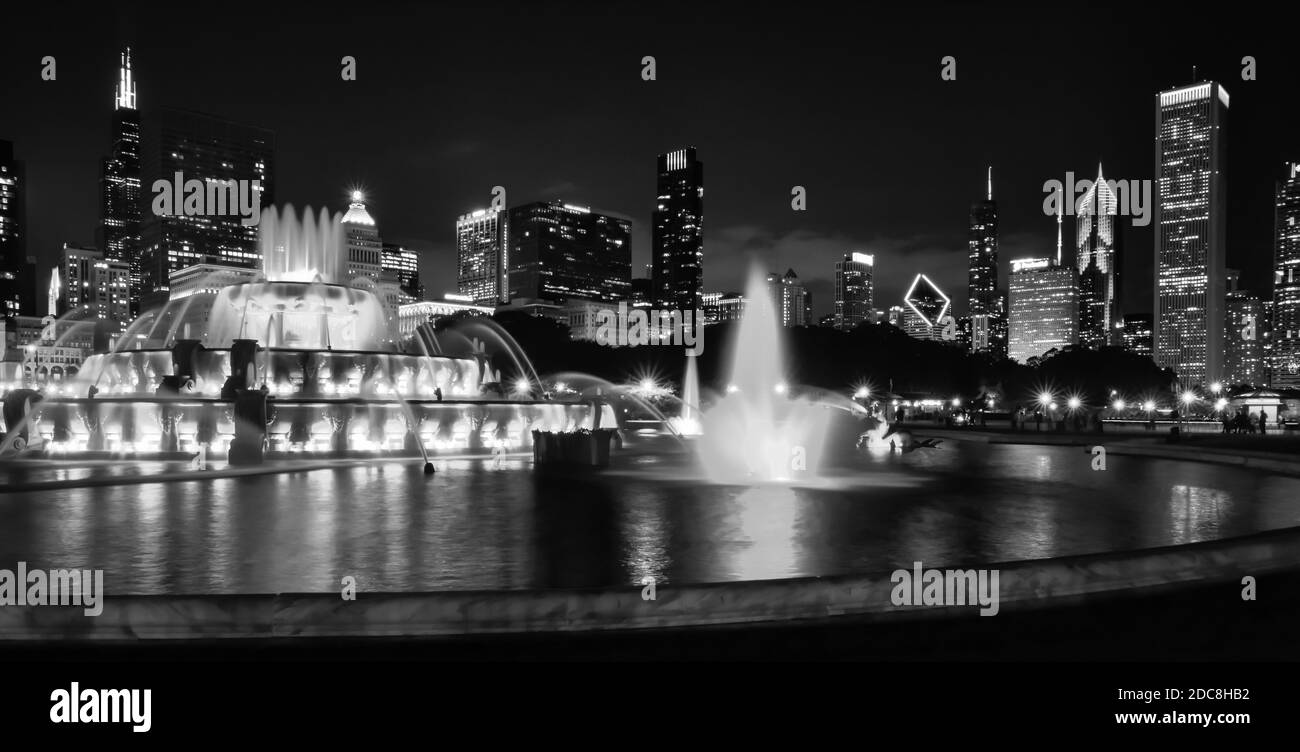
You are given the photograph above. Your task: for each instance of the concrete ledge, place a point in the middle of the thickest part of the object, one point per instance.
(1024, 587)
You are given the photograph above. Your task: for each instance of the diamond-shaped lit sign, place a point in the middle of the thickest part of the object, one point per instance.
(937, 294)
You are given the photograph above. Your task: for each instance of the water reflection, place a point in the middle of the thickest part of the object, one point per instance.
(478, 526)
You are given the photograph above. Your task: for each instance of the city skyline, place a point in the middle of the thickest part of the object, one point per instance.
(748, 215)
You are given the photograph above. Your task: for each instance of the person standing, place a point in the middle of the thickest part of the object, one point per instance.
(1263, 421)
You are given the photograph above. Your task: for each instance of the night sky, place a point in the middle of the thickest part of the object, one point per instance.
(548, 101)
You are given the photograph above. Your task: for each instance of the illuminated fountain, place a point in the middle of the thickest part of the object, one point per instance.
(757, 431)
(298, 360)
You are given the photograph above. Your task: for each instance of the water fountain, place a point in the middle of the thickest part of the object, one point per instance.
(757, 431)
(294, 362)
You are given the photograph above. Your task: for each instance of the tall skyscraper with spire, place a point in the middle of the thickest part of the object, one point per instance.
(677, 232)
(118, 235)
(987, 308)
(1190, 238)
(1097, 237)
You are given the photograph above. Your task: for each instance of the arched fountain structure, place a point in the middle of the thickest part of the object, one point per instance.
(298, 348)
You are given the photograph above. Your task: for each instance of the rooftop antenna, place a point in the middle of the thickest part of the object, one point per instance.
(990, 182)
(1058, 237)
(1193, 74)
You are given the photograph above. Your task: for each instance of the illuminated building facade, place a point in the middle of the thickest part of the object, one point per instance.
(1044, 308)
(119, 183)
(481, 271)
(677, 232)
(987, 306)
(207, 149)
(1100, 321)
(365, 247)
(562, 251)
(17, 269)
(1138, 333)
(1243, 340)
(854, 290)
(404, 264)
(792, 300)
(96, 286)
(1286, 280)
(926, 310)
(1190, 240)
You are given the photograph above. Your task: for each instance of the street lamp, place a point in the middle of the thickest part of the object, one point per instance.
(1189, 397)
(1044, 400)
(1118, 405)
(1216, 387)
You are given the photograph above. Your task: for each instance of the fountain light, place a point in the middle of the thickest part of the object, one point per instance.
(1149, 405)
(1075, 403)
(780, 387)
(1221, 404)
(1044, 399)
(732, 389)
(1118, 405)
(1216, 387)
(1188, 398)
(523, 387)
(956, 401)
(862, 393)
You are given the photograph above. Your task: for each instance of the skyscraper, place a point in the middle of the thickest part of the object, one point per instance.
(987, 313)
(1286, 279)
(1137, 333)
(927, 310)
(118, 235)
(481, 271)
(793, 301)
(1190, 240)
(17, 269)
(1243, 342)
(560, 251)
(1100, 321)
(404, 263)
(677, 231)
(95, 286)
(854, 289)
(1044, 308)
(210, 150)
(365, 247)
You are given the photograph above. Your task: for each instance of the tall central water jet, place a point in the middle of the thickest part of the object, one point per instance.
(757, 432)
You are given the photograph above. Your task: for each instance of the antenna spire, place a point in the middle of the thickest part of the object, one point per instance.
(990, 182)
(1058, 237)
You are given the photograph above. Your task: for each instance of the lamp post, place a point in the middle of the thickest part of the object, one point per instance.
(1044, 400)
(1189, 398)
